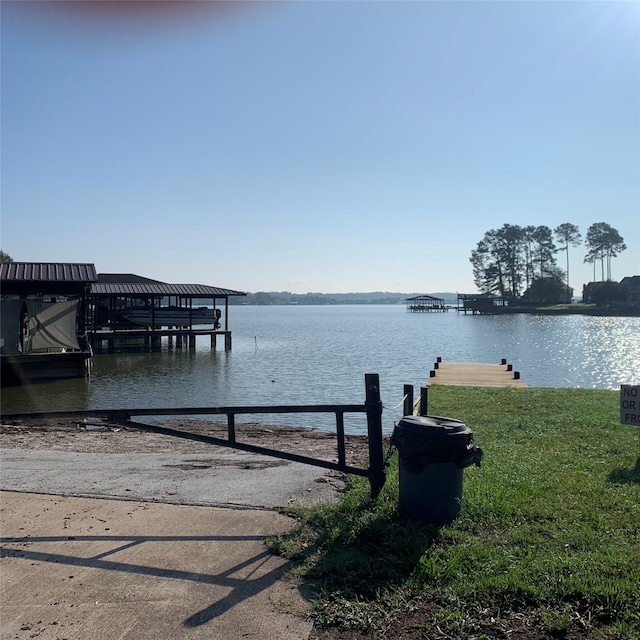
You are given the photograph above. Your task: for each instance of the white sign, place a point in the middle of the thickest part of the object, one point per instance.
(630, 404)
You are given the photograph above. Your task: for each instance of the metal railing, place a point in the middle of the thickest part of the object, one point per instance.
(372, 407)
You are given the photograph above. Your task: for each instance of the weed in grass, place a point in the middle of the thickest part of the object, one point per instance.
(556, 622)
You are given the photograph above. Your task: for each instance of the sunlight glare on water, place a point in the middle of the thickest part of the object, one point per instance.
(319, 355)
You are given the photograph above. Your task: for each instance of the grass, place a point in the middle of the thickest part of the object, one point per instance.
(549, 529)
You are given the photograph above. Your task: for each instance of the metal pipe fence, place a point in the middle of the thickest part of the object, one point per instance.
(372, 407)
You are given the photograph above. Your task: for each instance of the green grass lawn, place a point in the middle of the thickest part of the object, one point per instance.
(548, 534)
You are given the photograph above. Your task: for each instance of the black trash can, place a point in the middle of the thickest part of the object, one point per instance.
(433, 453)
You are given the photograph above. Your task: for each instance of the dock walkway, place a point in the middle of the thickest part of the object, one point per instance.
(471, 374)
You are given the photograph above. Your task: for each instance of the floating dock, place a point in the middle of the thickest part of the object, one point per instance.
(471, 374)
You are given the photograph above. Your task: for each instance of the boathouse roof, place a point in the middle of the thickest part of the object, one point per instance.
(426, 297)
(126, 277)
(473, 296)
(130, 284)
(161, 289)
(27, 278)
(47, 272)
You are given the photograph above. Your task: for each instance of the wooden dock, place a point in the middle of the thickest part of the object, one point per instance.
(471, 374)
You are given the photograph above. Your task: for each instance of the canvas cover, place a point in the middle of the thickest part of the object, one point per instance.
(51, 326)
(10, 312)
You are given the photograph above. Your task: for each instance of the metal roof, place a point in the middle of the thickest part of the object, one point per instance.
(425, 297)
(17, 275)
(161, 289)
(487, 295)
(120, 278)
(51, 272)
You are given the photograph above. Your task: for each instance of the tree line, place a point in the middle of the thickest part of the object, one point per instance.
(509, 260)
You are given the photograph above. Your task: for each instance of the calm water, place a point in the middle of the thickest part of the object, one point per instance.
(319, 354)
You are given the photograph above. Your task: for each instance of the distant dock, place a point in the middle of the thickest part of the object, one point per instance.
(471, 374)
(424, 304)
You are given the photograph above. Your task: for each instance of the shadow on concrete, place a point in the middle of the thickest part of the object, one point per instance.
(241, 588)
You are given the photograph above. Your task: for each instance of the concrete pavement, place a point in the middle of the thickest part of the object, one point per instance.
(92, 568)
(83, 569)
(221, 478)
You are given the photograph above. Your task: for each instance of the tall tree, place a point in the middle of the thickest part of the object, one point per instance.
(487, 273)
(603, 243)
(544, 250)
(498, 261)
(529, 253)
(567, 234)
(5, 257)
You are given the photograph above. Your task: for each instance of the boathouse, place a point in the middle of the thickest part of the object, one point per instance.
(43, 320)
(481, 303)
(131, 311)
(424, 304)
(53, 315)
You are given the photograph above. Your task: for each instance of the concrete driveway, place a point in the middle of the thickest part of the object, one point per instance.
(77, 564)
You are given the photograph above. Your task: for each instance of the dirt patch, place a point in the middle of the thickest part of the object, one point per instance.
(420, 625)
(96, 436)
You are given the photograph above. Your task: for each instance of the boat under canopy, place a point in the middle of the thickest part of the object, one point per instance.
(170, 316)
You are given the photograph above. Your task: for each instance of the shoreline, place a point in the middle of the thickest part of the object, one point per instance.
(102, 437)
(606, 313)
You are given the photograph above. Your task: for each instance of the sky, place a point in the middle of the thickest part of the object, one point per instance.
(322, 146)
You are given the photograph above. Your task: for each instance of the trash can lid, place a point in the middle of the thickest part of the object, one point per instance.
(432, 426)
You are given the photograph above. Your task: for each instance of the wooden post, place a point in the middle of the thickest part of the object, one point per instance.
(373, 405)
(227, 341)
(213, 341)
(342, 454)
(192, 342)
(424, 400)
(408, 400)
(231, 428)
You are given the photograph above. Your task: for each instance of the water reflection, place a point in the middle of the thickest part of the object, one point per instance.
(58, 395)
(168, 378)
(309, 355)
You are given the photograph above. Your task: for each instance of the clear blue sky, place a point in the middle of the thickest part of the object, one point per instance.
(315, 146)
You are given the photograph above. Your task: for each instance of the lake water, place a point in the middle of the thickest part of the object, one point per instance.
(319, 354)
